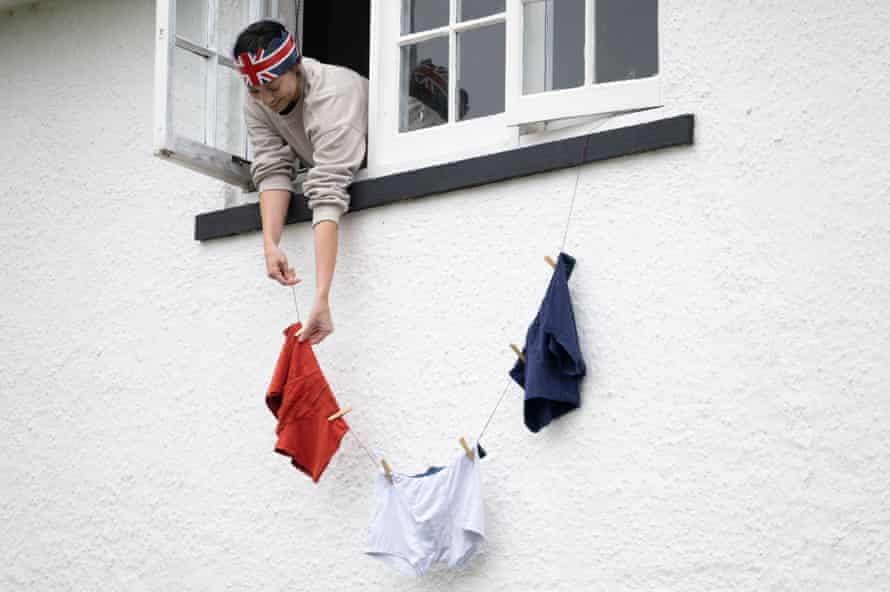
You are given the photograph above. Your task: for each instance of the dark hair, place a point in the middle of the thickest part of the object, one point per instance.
(257, 35)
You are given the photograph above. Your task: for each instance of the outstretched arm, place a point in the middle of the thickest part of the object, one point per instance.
(320, 324)
(273, 210)
(338, 127)
(273, 170)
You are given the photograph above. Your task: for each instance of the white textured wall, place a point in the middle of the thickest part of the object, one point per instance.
(733, 301)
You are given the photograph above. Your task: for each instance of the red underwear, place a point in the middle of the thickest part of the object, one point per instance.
(301, 399)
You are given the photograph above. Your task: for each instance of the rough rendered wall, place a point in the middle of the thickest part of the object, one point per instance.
(732, 297)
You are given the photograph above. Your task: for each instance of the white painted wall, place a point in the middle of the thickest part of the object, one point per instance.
(733, 302)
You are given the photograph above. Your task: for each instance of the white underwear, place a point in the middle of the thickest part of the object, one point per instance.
(423, 519)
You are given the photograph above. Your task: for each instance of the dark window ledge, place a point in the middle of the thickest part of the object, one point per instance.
(370, 193)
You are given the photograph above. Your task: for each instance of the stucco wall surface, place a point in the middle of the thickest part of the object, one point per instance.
(732, 299)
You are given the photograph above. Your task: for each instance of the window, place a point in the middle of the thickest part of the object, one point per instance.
(449, 79)
(581, 57)
(198, 91)
(438, 74)
(460, 78)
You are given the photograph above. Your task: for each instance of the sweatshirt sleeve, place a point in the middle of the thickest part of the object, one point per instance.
(337, 132)
(273, 159)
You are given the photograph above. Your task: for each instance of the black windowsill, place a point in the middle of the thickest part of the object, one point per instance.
(370, 193)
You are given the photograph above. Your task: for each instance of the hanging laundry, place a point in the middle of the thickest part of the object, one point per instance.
(553, 368)
(301, 400)
(434, 517)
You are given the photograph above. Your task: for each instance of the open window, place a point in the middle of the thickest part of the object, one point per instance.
(454, 79)
(199, 93)
(449, 79)
(336, 32)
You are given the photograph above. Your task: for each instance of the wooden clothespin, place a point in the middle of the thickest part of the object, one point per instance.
(343, 411)
(467, 449)
(386, 470)
(518, 352)
(299, 332)
(550, 261)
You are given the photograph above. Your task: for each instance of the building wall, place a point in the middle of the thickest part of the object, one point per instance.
(732, 300)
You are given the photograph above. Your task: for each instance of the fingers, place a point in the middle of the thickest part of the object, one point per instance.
(307, 331)
(286, 276)
(278, 269)
(275, 274)
(320, 336)
(290, 276)
(314, 334)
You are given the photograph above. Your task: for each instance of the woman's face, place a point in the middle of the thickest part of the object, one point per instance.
(279, 93)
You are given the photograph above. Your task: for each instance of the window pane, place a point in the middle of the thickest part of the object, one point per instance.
(188, 95)
(191, 20)
(229, 116)
(423, 95)
(553, 45)
(482, 64)
(231, 19)
(422, 15)
(473, 9)
(626, 39)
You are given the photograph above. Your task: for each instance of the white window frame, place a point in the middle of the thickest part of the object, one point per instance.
(526, 117)
(526, 120)
(390, 150)
(589, 99)
(203, 156)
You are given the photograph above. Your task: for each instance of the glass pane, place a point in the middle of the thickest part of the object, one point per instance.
(191, 20)
(422, 15)
(423, 95)
(229, 116)
(482, 63)
(473, 9)
(230, 20)
(553, 45)
(188, 94)
(626, 39)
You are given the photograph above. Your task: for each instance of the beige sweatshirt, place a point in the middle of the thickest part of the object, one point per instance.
(327, 130)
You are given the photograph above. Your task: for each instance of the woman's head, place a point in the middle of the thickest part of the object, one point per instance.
(270, 64)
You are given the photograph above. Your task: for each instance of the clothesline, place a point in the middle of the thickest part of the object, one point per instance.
(365, 447)
(374, 458)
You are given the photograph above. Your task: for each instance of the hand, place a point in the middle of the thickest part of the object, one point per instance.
(319, 324)
(277, 268)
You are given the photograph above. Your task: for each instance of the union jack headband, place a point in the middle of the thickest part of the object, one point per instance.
(268, 64)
